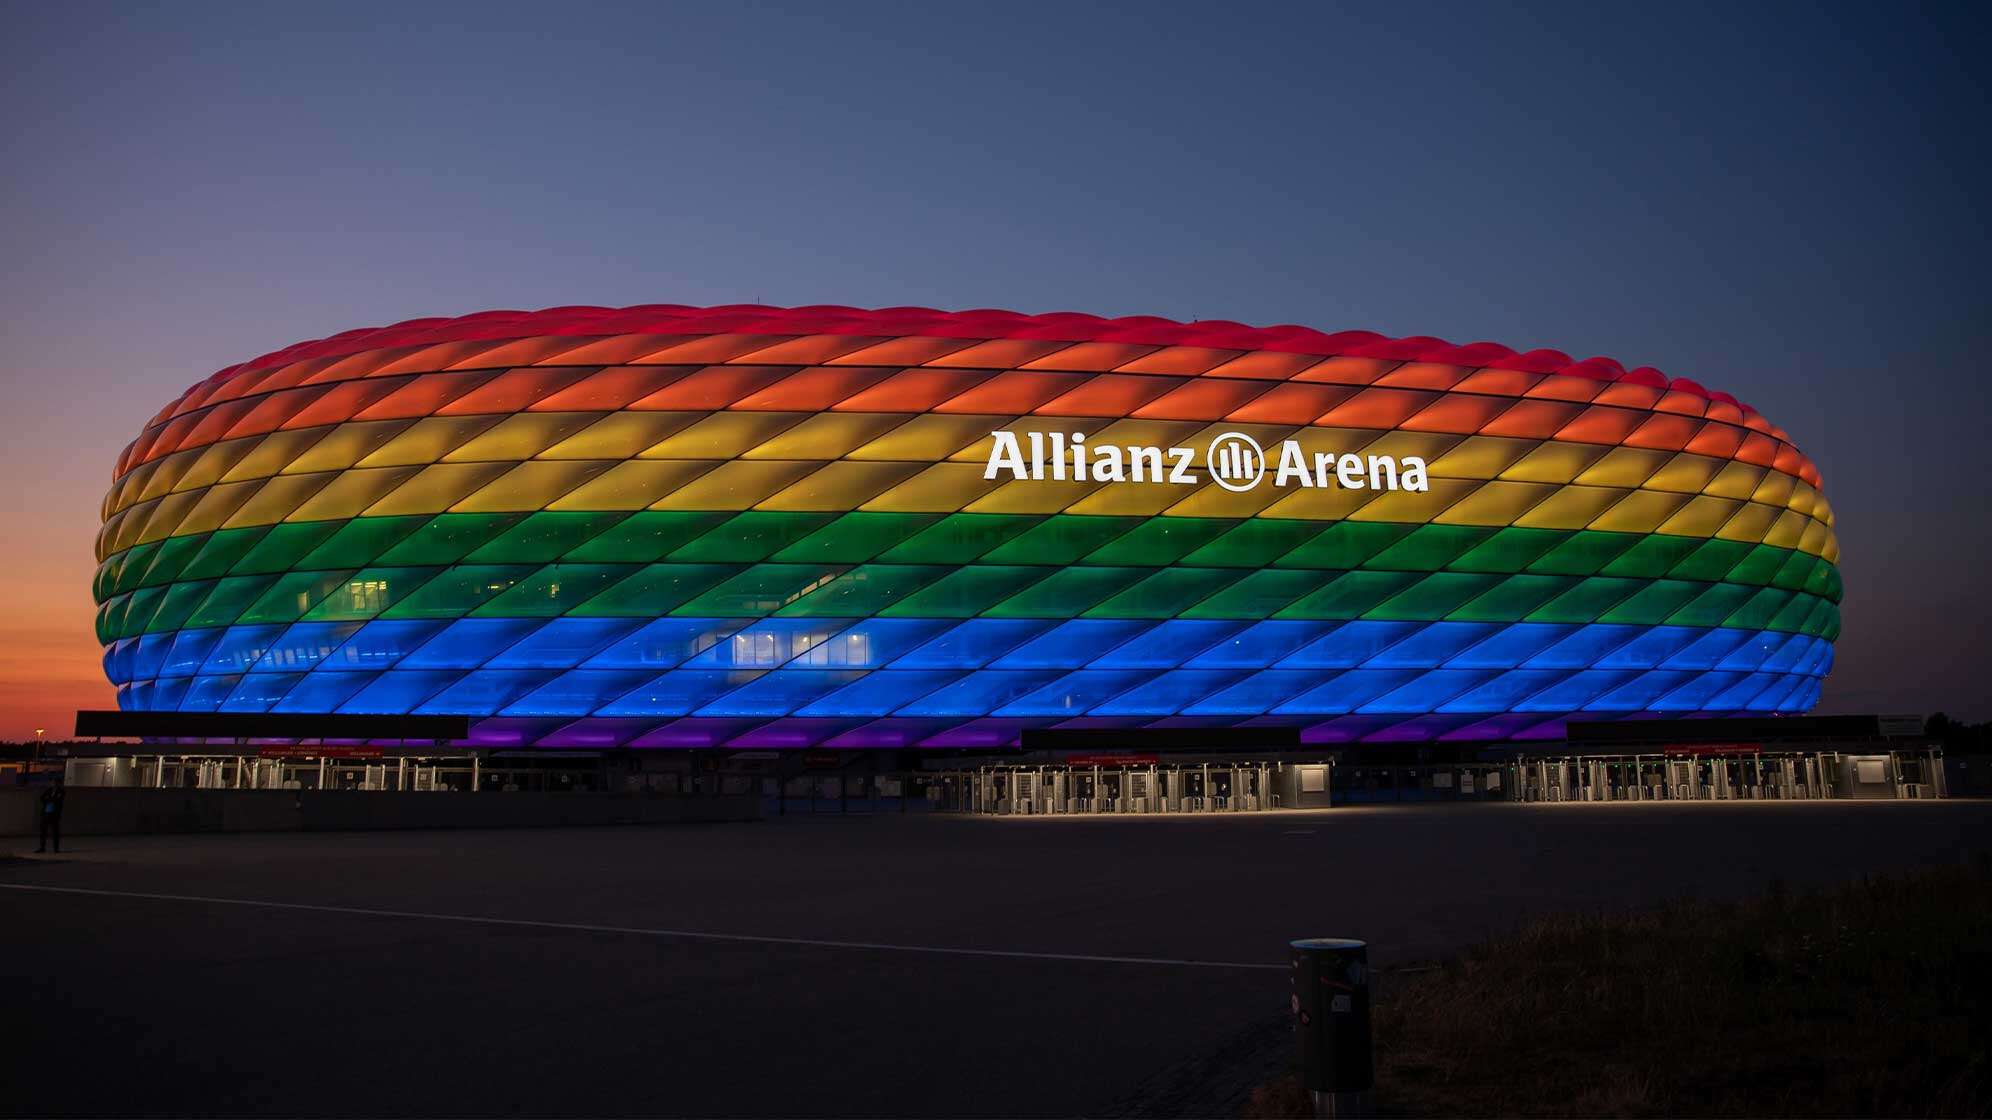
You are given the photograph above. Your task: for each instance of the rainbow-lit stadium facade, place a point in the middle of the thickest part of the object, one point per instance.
(758, 527)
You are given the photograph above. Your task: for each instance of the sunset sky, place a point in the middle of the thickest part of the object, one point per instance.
(1782, 203)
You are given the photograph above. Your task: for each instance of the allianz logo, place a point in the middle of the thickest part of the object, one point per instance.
(1234, 460)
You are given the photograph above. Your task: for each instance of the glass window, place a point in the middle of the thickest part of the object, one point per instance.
(1433, 646)
(482, 692)
(470, 642)
(205, 694)
(222, 551)
(1586, 600)
(175, 553)
(1501, 693)
(762, 589)
(865, 590)
(1260, 593)
(769, 642)
(1346, 692)
(752, 535)
(1350, 645)
(779, 693)
(174, 607)
(1707, 650)
(1757, 612)
(1585, 647)
(1345, 544)
(458, 591)
(1437, 595)
(1711, 561)
(239, 648)
(1160, 540)
(398, 691)
(1076, 692)
(579, 692)
(1351, 595)
(1429, 548)
(855, 537)
(189, 651)
(1714, 606)
(980, 693)
(258, 691)
(1254, 695)
(967, 592)
(871, 642)
(1167, 592)
(665, 642)
(1576, 690)
(564, 643)
(283, 546)
(678, 692)
(1508, 550)
(1513, 598)
(322, 692)
(380, 644)
(1636, 694)
(1167, 645)
(1072, 644)
(360, 542)
(555, 590)
(292, 594)
(542, 537)
(1511, 645)
(974, 643)
(448, 538)
(1653, 603)
(1258, 645)
(145, 657)
(657, 589)
(1651, 556)
(959, 538)
(1428, 691)
(646, 536)
(1067, 592)
(367, 593)
(304, 645)
(1650, 648)
(880, 693)
(1168, 693)
(1061, 539)
(1696, 694)
(1584, 553)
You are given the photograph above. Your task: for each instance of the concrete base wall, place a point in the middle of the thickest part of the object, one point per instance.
(106, 811)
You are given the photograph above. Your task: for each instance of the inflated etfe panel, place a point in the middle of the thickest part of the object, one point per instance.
(688, 527)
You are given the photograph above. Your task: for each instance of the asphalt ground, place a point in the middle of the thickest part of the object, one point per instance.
(803, 966)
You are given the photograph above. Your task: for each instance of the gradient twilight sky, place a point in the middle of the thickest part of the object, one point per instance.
(1784, 202)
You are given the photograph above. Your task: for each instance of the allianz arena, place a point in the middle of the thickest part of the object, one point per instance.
(668, 526)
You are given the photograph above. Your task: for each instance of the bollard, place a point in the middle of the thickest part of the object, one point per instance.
(1331, 1013)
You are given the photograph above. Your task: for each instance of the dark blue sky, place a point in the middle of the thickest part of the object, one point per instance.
(1783, 202)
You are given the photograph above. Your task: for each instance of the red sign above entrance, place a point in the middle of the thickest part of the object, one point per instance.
(318, 752)
(1112, 760)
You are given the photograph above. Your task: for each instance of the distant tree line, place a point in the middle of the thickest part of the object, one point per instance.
(1958, 737)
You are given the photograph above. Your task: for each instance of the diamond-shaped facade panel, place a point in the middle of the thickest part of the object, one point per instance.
(683, 527)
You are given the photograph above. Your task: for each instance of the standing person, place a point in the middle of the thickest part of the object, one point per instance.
(50, 805)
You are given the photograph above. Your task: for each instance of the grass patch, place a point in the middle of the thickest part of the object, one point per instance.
(1869, 999)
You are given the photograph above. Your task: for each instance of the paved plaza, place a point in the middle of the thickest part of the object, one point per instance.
(861, 965)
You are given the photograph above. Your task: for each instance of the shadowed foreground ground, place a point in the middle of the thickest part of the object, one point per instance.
(1872, 998)
(1131, 966)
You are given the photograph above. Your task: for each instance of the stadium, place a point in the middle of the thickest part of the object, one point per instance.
(761, 528)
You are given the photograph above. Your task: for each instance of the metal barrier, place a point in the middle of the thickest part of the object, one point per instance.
(1053, 789)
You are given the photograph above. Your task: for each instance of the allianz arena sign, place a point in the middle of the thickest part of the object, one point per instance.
(1235, 461)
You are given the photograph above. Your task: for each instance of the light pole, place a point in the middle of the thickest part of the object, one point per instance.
(38, 741)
